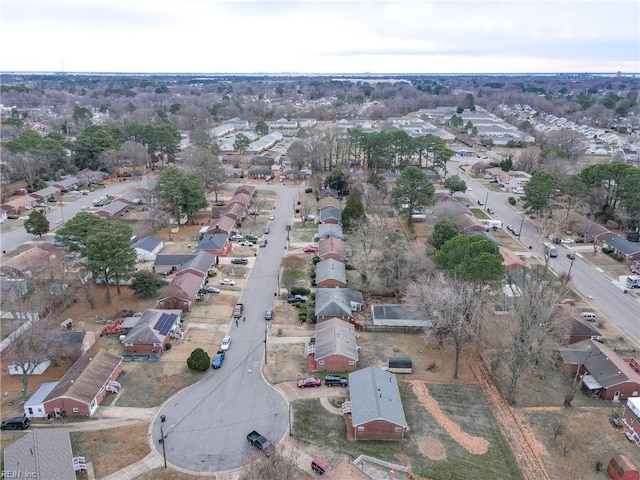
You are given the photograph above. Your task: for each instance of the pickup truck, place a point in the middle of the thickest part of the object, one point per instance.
(297, 299)
(260, 442)
(238, 310)
(218, 359)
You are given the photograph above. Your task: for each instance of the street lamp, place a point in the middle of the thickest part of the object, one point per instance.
(486, 198)
(521, 225)
(570, 267)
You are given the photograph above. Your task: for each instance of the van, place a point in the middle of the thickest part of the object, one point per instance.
(319, 466)
(266, 231)
(588, 316)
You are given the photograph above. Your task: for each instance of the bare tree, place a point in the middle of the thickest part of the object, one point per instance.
(280, 464)
(527, 336)
(528, 160)
(367, 238)
(400, 265)
(24, 166)
(257, 207)
(305, 209)
(135, 155)
(570, 142)
(30, 349)
(451, 309)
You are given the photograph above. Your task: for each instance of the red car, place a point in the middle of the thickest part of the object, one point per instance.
(309, 249)
(309, 382)
(568, 301)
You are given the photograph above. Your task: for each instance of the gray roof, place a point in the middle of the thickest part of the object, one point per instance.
(622, 245)
(336, 302)
(169, 260)
(201, 262)
(331, 269)
(66, 182)
(375, 396)
(45, 192)
(40, 394)
(330, 212)
(148, 244)
(115, 207)
(326, 230)
(394, 312)
(145, 332)
(336, 337)
(45, 453)
(129, 322)
(213, 241)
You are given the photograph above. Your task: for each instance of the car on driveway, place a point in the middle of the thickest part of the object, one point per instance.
(309, 382)
(226, 343)
(213, 290)
(251, 238)
(15, 423)
(236, 236)
(335, 380)
(239, 261)
(297, 299)
(246, 243)
(227, 281)
(309, 249)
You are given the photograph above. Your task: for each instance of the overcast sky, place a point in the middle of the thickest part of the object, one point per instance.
(328, 36)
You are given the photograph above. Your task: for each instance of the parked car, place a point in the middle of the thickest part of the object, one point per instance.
(335, 380)
(297, 299)
(568, 301)
(585, 240)
(227, 281)
(13, 216)
(309, 249)
(239, 261)
(246, 243)
(251, 238)
(571, 256)
(511, 228)
(236, 236)
(480, 202)
(226, 343)
(566, 240)
(15, 423)
(309, 218)
(218, 359)
(263, 243)
(213, 290)
(272, 217)
(268, 315)
(309, 382)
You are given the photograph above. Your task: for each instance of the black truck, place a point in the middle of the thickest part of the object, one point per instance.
(260, 442)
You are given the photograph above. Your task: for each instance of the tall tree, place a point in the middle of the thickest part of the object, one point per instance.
(37, 223)
(203, 161)
(75, 231)
(455, 184)
(338, 179)
(241, 142)
(443, 230)
(90, 144)
(539, 192)
(262, 128)
(353, 212)
(413, 188)
(471, 258)
(181, 192)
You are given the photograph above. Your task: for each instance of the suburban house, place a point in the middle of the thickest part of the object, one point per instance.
(604, 374)
(215, 244)
(259, 172)
(42, 454)
(327, 192)
(375, 406)
(577, 329)
(234, 172)
(331, 273)
(74, 343)
(80, 391)
(115, 209)
(34, 406)
(331, 215)
(166, 264)
(44, 194)
(224, 224)
(328, 202)
(134, 197)
(337, 303)
(326, 230)
(181, 293)
(237, 211)
(332, 248)
(200, 264)
(147, 248)
(620, 246)
(631, 417)
(153, 330)
(20, 204)
(29, 263)
(336, 348)
(65, 184)
(397, 315)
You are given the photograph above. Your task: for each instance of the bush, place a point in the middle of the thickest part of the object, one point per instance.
(348, 266)
(511, 200)
(315, 260)
(300, 291)
(199, 360)
(308, 190)
(167, 347)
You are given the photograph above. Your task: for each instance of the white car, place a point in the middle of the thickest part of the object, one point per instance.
(227, 281)
(272, 217)
(236, 236)
(226, 343)
(246, 243)
(566, 240)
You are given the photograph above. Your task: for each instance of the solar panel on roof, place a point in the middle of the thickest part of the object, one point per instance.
(164, 323)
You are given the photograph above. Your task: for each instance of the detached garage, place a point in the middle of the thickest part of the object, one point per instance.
(621, 468)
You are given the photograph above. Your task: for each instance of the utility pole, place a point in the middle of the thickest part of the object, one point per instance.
(164, 452)
(266, 330)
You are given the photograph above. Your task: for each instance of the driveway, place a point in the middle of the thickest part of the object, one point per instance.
(206, 424)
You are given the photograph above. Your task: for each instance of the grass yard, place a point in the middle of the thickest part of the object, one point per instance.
(479, 213)
(464, 405)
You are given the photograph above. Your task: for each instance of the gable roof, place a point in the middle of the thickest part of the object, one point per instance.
(153, 326)
(184, 286)
(375, 396)
(336, 337)
(32, 260)
(326, 230)
(65, 182)
(172, 259)
(336, 302)
(331, 245)
(327, 202)
(201, 262)
(115, 207)
(148, 244)
(46, 192)
(213, 241)
(327, 192)
(222, 224)
(45, 452)
(623, 245)
(330, 212)
(331, 269)
(84, 380)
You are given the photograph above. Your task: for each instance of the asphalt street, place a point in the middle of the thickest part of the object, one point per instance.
(605, 295)
(206, 424)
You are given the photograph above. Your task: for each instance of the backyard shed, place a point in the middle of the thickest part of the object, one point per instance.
(621, 468)
(399, 365)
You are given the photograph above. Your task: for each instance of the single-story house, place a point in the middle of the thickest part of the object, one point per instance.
(66, 183)
(631, 416)
(44, 194)
(327, 202)
(337, 303)
(577, 329)
(74, 343)
(43, 454)
(397, 315)
(336, 347)
(80, 391)
(223, 224)
(199, 265)
(181, 292)
(29, 263)
(331, 215)
(621, 246)
(248, 189)
(114, 209)
(331, 273)
(259, 172)
(134, 197)
(604, 373)
(34, 406)
(332, 248)
(261, 160)
(215, 244)
(375, 406)
(237, 211)
(326, 230)
(147, 248)
(327, 192)
(234, 172)
(166, 264)
(20, 204)
(153, 331)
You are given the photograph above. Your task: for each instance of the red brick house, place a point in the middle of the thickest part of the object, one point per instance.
(114, 209)
(327, 202)
(331, 273)
(631, 416)
(336, 348)
(153, 331)
(332, 248)
(331, 215)
(375, 406)
(224, 224)
(20, 204)
(181, 292)
(215, 244)
(44, 194)
(80, 391)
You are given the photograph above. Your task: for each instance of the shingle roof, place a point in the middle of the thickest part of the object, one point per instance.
(148, 244)
(201, 262)
(330, 212)
(115, 207)
(145, 332)
(179, 259)
(213, 241)
(331, 245)
(336, 302)
(375, 396)
(84, 380)
(336, 337)
(326, 230)
(331, 269)
(327, 202)
(44, 452)
(223, 224)
(622, 245)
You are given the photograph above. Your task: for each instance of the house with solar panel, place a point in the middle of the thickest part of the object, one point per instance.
(153, 331)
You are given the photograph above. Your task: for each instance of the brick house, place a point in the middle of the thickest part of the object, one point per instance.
(80, 391)
(44, 194)
(115, 209)
(331, 273)
(224, 224)
(337, 303)
(181, 292)
(215, 244)
(332, 248)
(631, 415)
(375, 406)
(167, 264)
(152, 332)
(327, 230)
(331, 215)
(328, 202)
(200, 264)
(20, 204)
(336, 348)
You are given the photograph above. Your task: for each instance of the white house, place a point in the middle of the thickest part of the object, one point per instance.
(147, 248)
(34, 407)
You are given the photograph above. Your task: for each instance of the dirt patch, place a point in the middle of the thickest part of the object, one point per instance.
(113, 449)
(432, 448)
(169, 474)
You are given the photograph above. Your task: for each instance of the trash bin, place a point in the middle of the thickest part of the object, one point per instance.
(162, 418)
